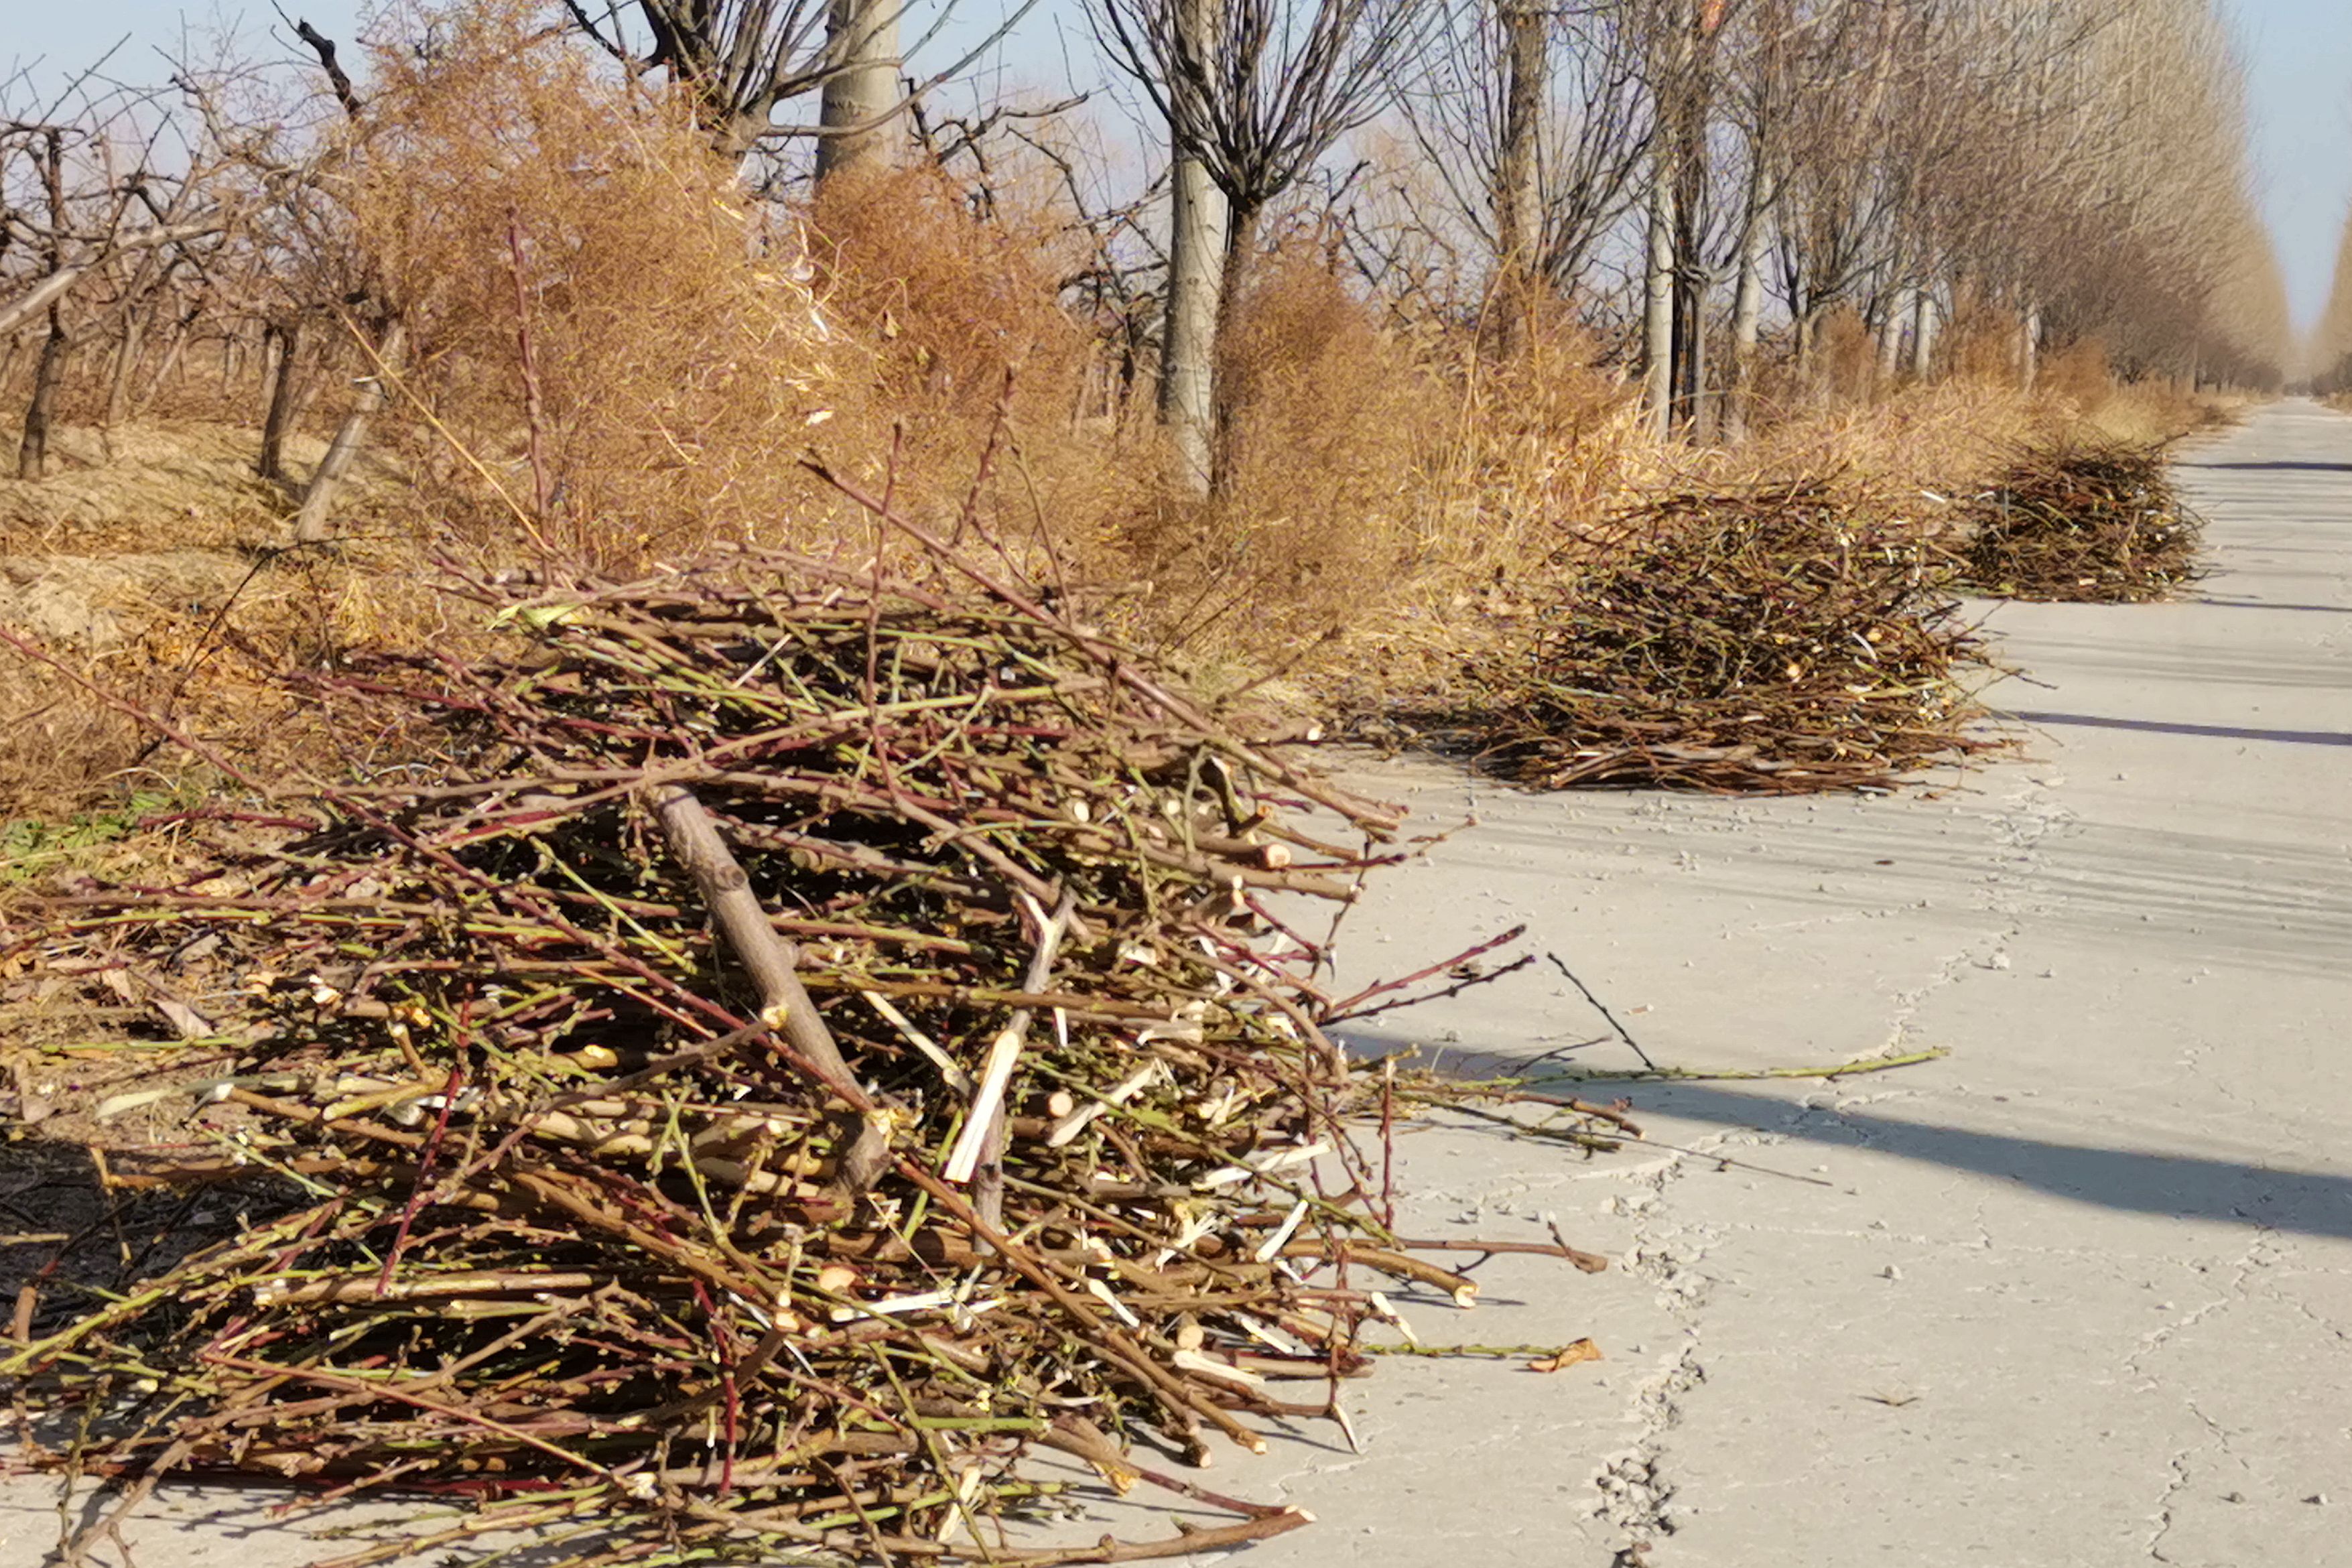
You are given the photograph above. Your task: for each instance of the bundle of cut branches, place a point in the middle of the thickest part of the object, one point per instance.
(813, 1039)
(1771, 641)
(2089, 524)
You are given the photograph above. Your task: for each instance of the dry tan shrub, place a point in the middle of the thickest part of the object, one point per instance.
(1937, 439)
(1842, 366)
(2149, 413)
(689, 349)
(678, 349)
(1981, 343)
(954, 304)
(1329, 421)
(2080, 386)
(2078, 374)
(1540, 439)
(1846, 356)
(972, 374)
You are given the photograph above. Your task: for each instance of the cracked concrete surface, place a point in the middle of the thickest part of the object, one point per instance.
(2078, 1296)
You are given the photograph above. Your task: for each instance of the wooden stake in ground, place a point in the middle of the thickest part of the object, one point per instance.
(310, 522)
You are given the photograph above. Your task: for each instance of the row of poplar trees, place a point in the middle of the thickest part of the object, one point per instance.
(1728, 166)
(1709, 170)
(1709, 183)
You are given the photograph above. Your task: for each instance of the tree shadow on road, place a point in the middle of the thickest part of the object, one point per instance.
(2129, 1181)
(2162, 727)
(2178, 1186)
(2275, 466)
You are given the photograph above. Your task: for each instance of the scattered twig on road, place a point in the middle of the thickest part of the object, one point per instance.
(1602, 1008)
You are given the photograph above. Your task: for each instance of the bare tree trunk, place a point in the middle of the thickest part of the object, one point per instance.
(144, 287)
(1518, 197)
(863, 133)
(310, 522)
(1233, 282)
(1892, 310)
(1747, 322)
(33, 451)
(2028, 348)
(1658, 309)
(1200, 237)
(1238, 273)
(1690, 279)
(182, 333)
(1695, 362)
(1188, 398)
(1923, 332)
(271, 463)
(117, 383)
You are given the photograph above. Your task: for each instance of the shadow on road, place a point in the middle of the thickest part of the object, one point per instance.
(2167, 727)
(2268, 605)
(2129, 1181)
(2276, 468)
(2307, 1203)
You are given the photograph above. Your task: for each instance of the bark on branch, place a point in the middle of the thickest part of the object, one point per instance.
(768, 958)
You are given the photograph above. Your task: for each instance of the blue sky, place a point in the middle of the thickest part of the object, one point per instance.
(2298, 52)
(2299, 60)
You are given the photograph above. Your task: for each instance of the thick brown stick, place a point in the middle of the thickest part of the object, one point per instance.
(767, 957)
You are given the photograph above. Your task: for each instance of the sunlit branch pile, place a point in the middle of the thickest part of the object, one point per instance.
(2100, 524)
(810, 1042)
(1770, 642)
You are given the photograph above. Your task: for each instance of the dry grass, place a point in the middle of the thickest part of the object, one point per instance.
(201, 640)
(1331, 425)
(1391, 523)
(674, 349)
(175, 484)
(1919, 443)
(1541, 438)
(147, 566)
(1395, 492)
(957, 311)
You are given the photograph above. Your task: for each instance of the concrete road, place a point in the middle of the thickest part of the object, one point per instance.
(2078, 1294)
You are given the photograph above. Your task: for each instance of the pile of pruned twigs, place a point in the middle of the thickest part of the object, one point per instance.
(1769, 641)
(811, 1039)
(2095, 524)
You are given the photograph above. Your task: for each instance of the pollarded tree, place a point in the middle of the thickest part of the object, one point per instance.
(744, 59)
(1254, 93)
(1535, 121)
